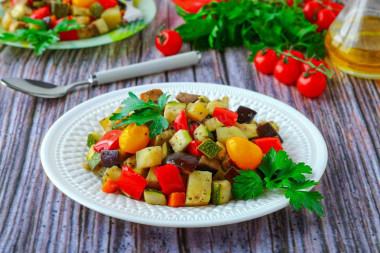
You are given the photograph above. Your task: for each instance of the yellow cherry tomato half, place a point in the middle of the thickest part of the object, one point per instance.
(134, 138)
(244, 153)
(83, 3)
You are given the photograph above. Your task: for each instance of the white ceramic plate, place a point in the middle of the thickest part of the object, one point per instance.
(64, 149)
(148, 7)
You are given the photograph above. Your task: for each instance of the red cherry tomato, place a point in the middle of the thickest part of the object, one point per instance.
(293, 52)
(290, 2)
(312, 84)
(296, 54)
(286, 71)
(169, 42)
(324, 19)
(305, 67)
(265, 60)
(310, 10)
(40, 13)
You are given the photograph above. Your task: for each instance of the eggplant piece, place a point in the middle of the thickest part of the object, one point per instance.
(207, 164)
(267, 130)
(231, 174)
(183, 161)
(245, 114)
(187, 98)
(110, 158)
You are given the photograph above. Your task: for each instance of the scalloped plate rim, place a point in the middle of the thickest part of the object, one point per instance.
(281, 202)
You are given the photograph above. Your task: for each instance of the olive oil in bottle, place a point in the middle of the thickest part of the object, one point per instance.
(353, 40)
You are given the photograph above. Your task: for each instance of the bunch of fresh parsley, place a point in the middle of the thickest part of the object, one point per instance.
(41, 39)
(254, 24)
(140, 112)
(280, 172)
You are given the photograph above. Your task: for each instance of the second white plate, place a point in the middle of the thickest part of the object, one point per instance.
(64, 149)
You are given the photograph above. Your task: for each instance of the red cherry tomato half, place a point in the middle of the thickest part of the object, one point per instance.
(169, 42)
(265, 60)
(305, 67)
(286, 71)
(311, 85)
(325, 18)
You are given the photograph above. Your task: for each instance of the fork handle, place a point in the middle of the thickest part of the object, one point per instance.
(147, 68)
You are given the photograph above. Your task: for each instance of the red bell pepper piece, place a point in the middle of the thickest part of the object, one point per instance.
(110, 141)
(227, 117)
(266, 143)
(106, 4)
(131, 182)
(68, 35)
(193, 126)
(169, 179)
(192, 148)
(193, 6)
(40, 13)
(180, 121)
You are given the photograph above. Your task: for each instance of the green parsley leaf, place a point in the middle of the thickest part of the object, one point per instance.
(299, 199)
(38, 22)
(280, 172)
(140, 112)
(248, 185)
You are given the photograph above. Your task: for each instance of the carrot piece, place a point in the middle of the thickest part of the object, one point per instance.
(177, 199)
(109, 186)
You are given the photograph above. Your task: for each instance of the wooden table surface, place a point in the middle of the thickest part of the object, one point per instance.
(36, 217)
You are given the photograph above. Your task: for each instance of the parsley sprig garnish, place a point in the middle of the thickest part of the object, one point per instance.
(139, 112)
(40, 39)
(280, 172)
(255, 24)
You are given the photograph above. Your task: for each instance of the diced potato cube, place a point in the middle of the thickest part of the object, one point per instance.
(222, 103)
(196, 111)
(198, 191)
(224, 133)
(112, 16)
(101, 26)
(149, 157)
(248, 129)
(151, 179)
(7, 20)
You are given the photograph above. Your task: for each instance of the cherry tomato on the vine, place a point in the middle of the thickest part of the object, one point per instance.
(265, 60)
(310, 10)
(305, 67)
(293, 52)
(325, 17)
(169, 42)
(286, 71)
(311, 84)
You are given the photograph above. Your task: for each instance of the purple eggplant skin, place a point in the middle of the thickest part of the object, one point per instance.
(267, 130)
(110, 158)
(186, 163)
(245, 114)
